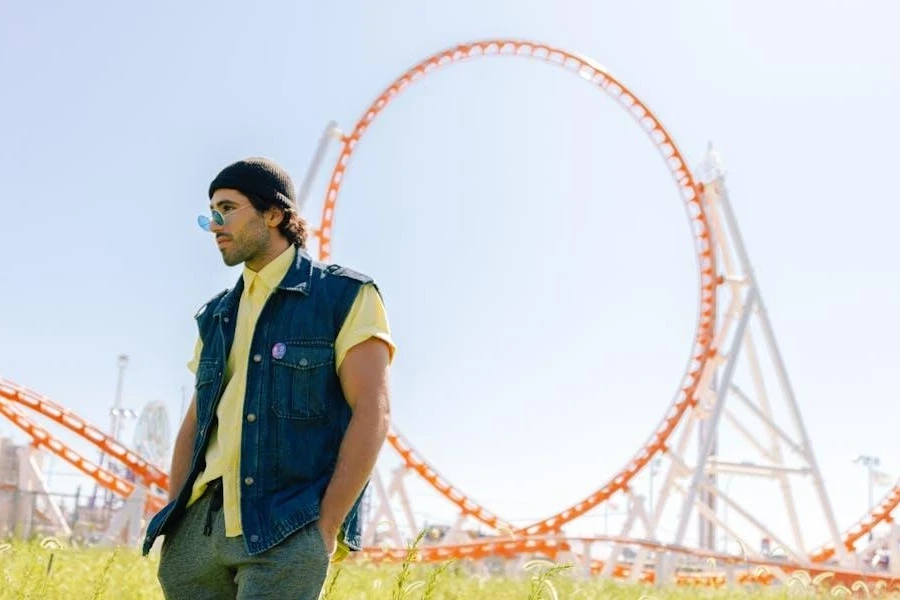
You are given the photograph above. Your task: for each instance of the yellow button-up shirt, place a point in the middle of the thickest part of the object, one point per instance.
(367, 318)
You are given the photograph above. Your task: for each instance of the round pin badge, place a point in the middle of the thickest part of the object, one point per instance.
(279, 350)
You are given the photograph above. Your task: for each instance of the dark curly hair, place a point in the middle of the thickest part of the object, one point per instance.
(293, 227)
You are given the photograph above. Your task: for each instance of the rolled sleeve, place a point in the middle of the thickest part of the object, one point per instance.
(367, 319)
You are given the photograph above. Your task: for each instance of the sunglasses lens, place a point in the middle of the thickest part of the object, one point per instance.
(205, 222)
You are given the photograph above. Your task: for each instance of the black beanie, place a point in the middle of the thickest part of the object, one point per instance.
(259, 177)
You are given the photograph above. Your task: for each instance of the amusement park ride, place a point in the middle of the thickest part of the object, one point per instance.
(734, 382)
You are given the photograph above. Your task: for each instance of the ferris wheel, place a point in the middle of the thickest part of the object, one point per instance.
(153, 434)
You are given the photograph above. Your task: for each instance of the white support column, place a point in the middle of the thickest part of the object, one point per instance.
(676, 469)
(781, 373)
(138, 500)
(454, 535)
(125, 526)
(25, 504)
(33, 489)
(894, 549)
(399, 488)
(700, 467)
(636, 507)
(331, 132)
(384, 513)
(587, 566)
(783, 482)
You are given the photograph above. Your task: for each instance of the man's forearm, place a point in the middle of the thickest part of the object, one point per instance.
(181, 458)
(356, 459)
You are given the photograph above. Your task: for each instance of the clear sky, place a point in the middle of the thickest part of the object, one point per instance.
(532, 251)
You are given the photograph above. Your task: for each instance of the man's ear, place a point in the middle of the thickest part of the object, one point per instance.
(274, 216)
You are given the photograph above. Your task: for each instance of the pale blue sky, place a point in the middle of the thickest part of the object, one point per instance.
(532, 251)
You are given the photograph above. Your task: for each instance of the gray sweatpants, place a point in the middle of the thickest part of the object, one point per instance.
(194, 566)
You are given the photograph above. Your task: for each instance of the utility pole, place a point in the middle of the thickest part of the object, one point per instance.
(115, 426)
(116, 413)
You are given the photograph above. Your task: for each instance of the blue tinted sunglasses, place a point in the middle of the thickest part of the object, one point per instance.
(217, 218)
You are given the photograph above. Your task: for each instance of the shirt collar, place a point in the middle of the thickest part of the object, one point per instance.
(271, 274)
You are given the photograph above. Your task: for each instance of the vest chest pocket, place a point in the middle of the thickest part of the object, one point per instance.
(300, 380)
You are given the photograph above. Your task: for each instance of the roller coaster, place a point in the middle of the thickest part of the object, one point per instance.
(733, 337)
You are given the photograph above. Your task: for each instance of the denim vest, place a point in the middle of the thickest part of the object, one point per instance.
(294, 414)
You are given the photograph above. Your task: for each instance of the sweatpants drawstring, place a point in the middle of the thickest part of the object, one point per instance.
(215, 503)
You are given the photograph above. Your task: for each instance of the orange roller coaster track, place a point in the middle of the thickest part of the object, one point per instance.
(702, 349)
(148, 474)
(746, 570)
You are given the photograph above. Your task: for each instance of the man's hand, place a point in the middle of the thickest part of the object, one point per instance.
(329, 534)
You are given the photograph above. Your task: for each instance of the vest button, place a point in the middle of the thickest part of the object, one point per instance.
(257, 358)
(254, 538)
(251, 417)
(226, 319)
(248, 480)
(303, 362)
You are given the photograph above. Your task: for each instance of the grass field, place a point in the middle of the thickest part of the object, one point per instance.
(50, 570)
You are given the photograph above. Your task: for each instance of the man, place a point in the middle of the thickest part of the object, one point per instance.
(289, 412)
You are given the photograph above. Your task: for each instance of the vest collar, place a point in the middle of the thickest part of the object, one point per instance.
(299, 276)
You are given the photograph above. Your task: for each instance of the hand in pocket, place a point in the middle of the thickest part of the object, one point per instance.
(329, 539)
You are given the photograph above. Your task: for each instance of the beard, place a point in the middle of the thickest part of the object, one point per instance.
(247, 245)
(233, 256)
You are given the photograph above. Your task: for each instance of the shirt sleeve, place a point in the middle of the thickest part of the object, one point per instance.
(195, 360)
(367, 318)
